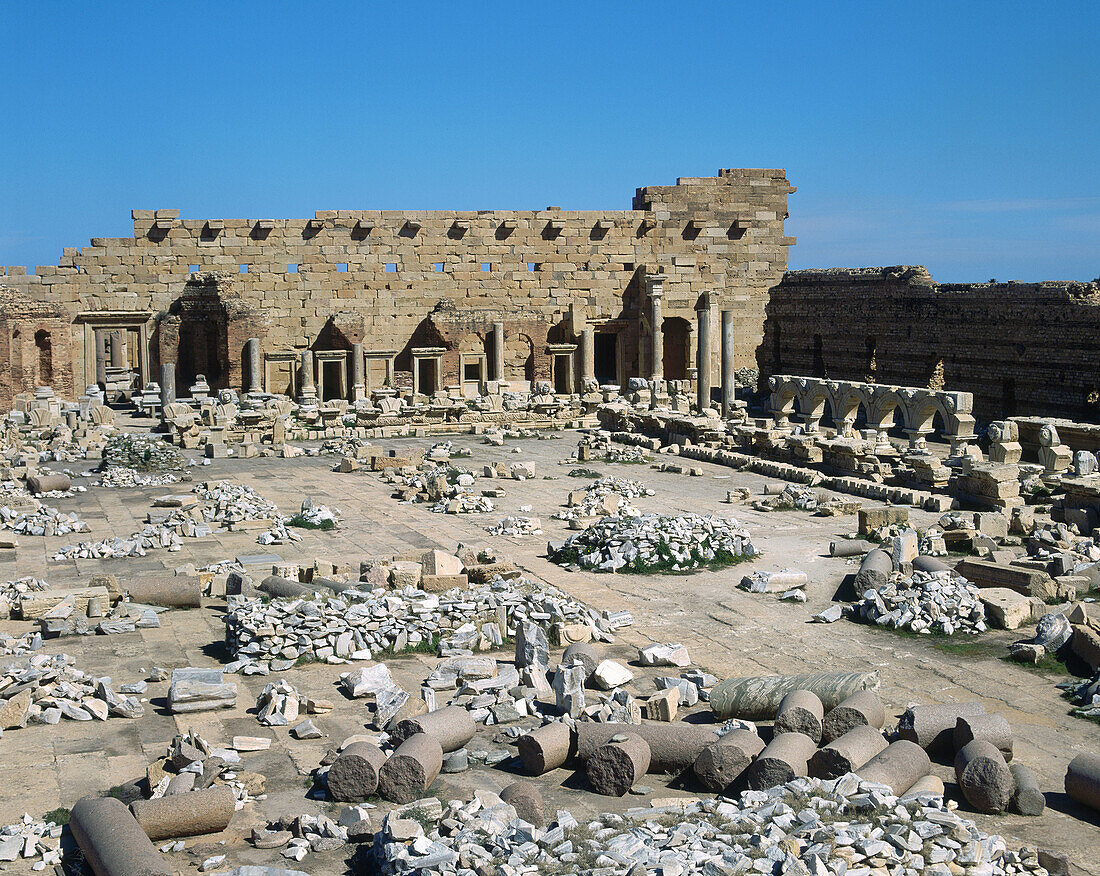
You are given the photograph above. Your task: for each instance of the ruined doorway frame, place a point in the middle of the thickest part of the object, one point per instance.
(112, 320)
(602, 358)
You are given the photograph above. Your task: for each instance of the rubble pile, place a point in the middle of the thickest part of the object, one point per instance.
(11, 593)
(223, 502)
(141, 453)
(51, 688)
(598, 445)
(924, 602)
(793, 497)
(360, 623)
(657, 542)
(806, 826)
(226, 502)
(463, 503)
(1085, 697)
(30, 838)
(604, 497)
(516, 525)
(191, 763)
(43, 520)
(124, 476)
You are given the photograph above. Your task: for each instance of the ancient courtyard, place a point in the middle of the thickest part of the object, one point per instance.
(550, 440)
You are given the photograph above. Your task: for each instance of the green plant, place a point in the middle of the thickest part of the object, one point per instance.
(584, 473)
(300, 521)
(60, 816)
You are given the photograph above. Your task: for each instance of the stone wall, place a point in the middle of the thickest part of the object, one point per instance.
(1020, 348)
(373, 277)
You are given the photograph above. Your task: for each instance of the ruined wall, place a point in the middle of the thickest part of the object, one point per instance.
(35, 348)
(381, 272)
(1020, 348)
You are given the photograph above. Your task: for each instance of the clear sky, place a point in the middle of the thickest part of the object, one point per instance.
(959, 135)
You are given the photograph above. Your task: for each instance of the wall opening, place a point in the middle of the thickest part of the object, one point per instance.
(426, 376)
(45, 356)
(606, 352)
(563, 368)
(332, 380)
(870, 366)
(1008, 397)
(819, 358)
(677, 348)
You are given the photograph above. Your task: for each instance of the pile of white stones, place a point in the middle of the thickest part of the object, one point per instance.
(358, 623)
(793, 496)
(463, 503)
(222, 502)
(228, 502)
(808, 826)
(607, 496)
(680, 543)
(18, 646)
(44, 520)
(12, 592)
(516, 525)
(123, 476)
(151, 537)
(924, 602)
(31, 838)
(46, 688)
(140, 452)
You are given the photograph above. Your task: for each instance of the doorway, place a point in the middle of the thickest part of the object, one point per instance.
(426, 376)
(606, 354)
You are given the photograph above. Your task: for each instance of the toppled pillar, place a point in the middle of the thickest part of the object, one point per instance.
(758, 697)
(900, 765)
(112, 841)
(860, 708)
(190, 814)
(932, 727)
(785, 758)
(411, 769)
(451, 726)
(848, 753)
(526, 799)
(1083, 779)
(614, 767)
(800, 711)
(983, 776)
(719, 765)
(546, 748)
(353, 776)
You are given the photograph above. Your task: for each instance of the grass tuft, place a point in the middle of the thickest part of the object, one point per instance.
(300, 521)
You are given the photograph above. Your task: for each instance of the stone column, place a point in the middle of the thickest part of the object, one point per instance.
(729, 380)
(307, 391)
(167, 383)
(100, 357)
(416, 376)
(358, 383)
(704, 378)
(498, 351)
(389, 371)
(118, 349)
(588, 355)
(255, 360)
(657, 342)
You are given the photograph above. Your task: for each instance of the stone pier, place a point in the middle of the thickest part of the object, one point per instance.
(729, 379)
(358, 382)
(704, 377)
(307, 391)
(167, 383)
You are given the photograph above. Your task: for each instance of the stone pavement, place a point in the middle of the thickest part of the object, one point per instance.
(728, 632)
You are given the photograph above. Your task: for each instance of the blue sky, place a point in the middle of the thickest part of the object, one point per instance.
(962, 136)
